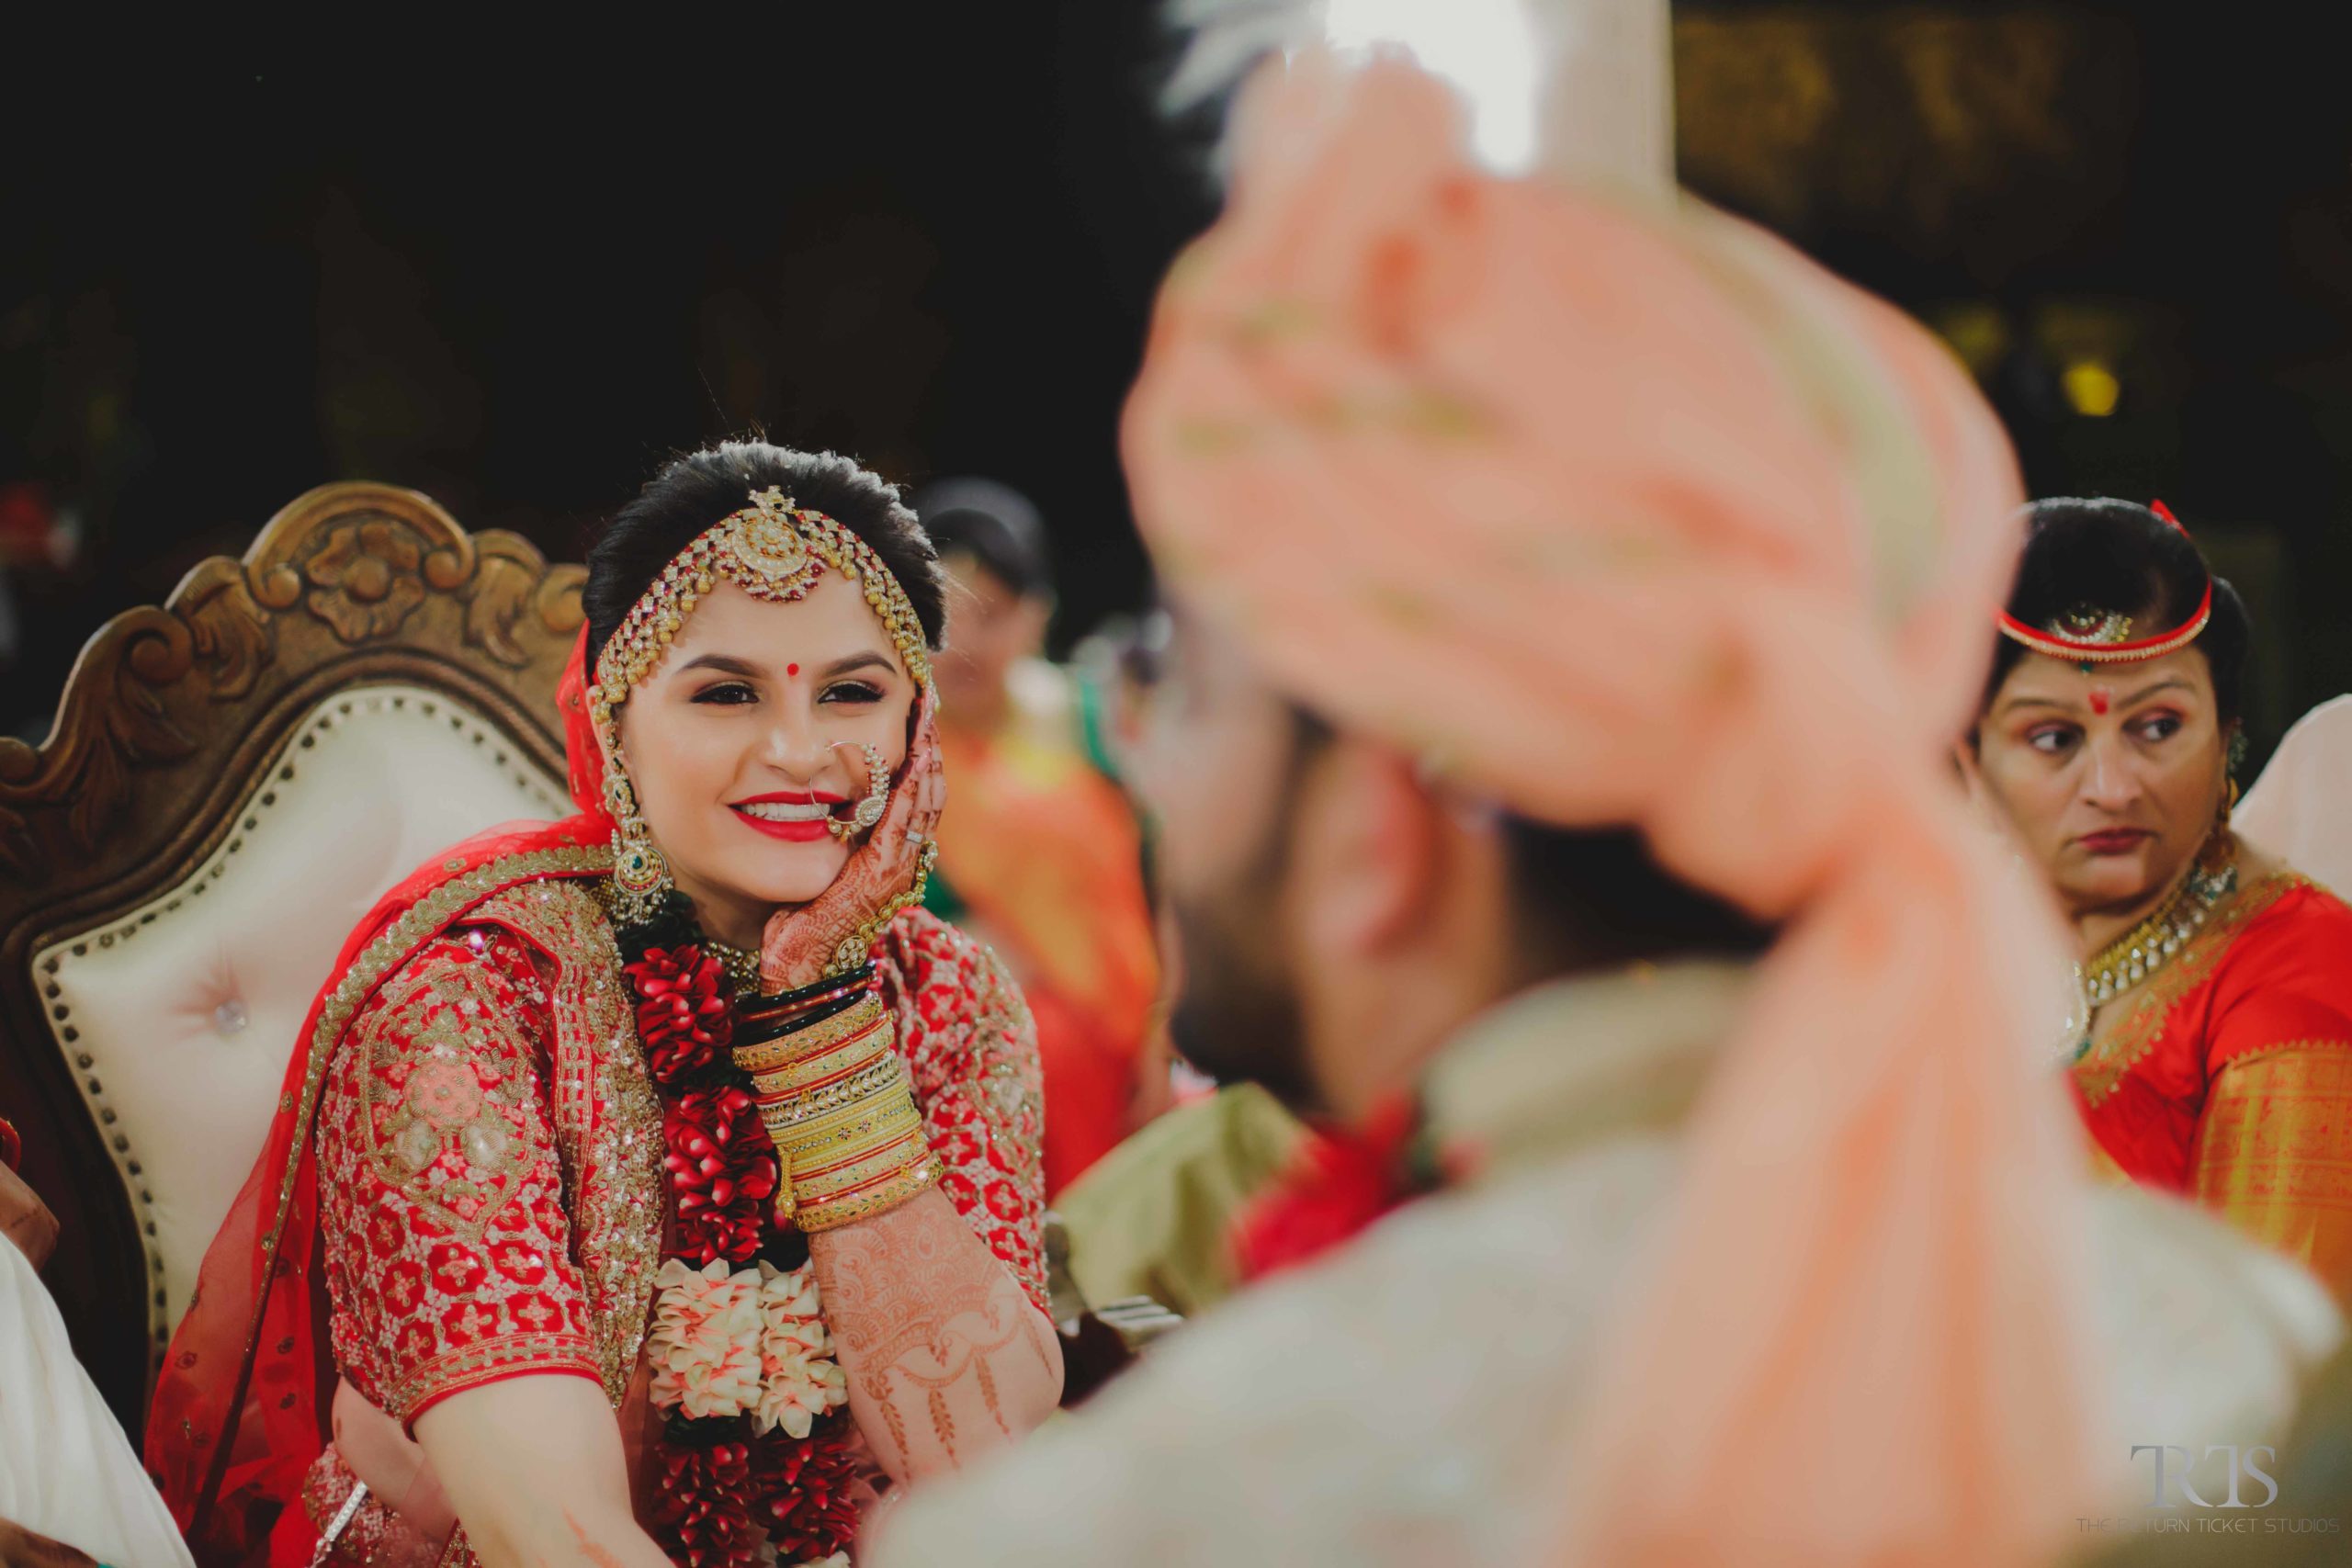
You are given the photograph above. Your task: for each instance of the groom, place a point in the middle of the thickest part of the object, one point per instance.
(1498, 523)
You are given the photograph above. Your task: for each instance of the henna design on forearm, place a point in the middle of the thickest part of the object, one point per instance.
(889, 1286)
(1036, 1337)
(595, 1551)
(918, 1307)
(943, 1424)
(987, 1394)
(886, 1396)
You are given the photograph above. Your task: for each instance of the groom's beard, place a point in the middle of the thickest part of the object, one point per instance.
(1237, 1016)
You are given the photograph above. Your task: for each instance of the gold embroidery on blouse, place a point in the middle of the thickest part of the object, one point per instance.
(469, 1366)
(608, 1121)
(2109, 1061)
(422, 1098)
(1008, 1095)
(374, 964)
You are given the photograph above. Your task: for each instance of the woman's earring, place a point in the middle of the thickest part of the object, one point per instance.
(869, 808)
(2233, 760)
(640, 876)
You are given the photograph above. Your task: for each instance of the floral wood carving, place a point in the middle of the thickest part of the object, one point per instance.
(347, 569)
(363, 578)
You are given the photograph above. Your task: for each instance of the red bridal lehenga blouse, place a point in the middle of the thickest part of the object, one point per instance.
(2228, 1077)
(478, 1168)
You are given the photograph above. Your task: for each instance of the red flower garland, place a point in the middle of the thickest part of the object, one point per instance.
(710, 1497)
(723, 1173)
(684, 1018)
(702, 1501)
(810, 1486)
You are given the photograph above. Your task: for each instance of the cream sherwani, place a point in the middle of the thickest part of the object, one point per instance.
(66, 1470)
(1406, 1402)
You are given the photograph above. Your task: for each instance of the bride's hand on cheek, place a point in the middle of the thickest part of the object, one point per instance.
(882, 876)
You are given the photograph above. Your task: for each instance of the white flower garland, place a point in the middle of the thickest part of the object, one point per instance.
(726, 1342)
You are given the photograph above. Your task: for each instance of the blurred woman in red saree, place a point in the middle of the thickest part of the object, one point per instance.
(1042, 857)
(657, 1185)
(2213, 1054)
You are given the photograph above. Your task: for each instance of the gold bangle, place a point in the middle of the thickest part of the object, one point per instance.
(837, 1212)
(866, 1113)
(838, 1103)
(803, 1043)
(856, 1145)
(871, 1078)
(873, 1043)
(812, 1037)
(842, 1169)
(795, 1079)
(820, 1157)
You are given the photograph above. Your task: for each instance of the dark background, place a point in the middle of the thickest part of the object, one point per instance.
(929, 234)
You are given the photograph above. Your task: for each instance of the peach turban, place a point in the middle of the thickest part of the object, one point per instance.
(1622, 516)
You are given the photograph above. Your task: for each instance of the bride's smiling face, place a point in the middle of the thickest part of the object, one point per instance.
(745, 740)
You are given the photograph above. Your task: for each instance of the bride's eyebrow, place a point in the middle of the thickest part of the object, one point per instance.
(869, 661)
(724, 664)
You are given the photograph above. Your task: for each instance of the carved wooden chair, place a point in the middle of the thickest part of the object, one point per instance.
(232, 779)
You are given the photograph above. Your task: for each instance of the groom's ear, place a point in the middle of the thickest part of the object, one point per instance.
(1963, 764)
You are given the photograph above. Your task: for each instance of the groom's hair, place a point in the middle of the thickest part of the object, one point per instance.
(1593, 897)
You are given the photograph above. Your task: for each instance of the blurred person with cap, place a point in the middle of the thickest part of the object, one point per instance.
(1040, 851)
(1576, 594)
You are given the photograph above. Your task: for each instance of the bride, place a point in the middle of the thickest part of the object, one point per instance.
(662, 1183)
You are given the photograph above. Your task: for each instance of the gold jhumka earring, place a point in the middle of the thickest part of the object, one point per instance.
(773, 551)
(640, 876)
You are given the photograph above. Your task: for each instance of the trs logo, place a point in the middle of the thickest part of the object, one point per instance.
(2242, 1463)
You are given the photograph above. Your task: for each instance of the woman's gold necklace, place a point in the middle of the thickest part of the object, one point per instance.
(742, 966)
(2158, 939)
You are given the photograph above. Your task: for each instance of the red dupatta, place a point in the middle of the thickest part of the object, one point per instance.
(241, 1409)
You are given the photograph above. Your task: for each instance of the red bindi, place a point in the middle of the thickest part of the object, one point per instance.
(795, 669)
(2099, 699)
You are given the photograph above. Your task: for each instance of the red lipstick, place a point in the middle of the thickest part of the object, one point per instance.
(793, 830)
(2114, 840)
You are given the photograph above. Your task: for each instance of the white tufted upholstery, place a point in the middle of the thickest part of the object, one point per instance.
(179, 1017)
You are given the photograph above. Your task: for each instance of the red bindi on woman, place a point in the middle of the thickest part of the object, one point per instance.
(2099, 699)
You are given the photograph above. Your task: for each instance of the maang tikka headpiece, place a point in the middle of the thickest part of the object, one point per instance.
(772, 550)
(2090, 635)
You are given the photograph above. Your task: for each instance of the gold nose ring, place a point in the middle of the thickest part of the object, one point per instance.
(869, 808)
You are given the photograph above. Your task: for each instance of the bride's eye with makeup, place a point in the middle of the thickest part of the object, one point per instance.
(726, 694)
(854, 692)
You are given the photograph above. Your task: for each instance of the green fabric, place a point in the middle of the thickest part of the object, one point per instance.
(1090, 721)
(1150, 1218)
